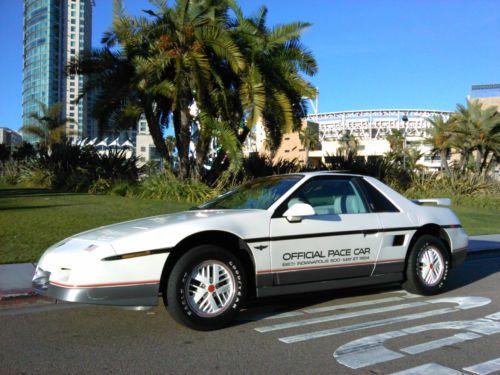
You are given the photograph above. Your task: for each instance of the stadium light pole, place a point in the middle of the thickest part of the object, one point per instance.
(405, 120)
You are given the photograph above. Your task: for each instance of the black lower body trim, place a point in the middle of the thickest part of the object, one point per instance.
(328, 285)
(321, 274)
(393, 267)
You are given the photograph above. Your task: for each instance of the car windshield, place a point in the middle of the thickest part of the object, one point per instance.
(257, 194)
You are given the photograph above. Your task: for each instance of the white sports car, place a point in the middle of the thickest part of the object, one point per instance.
(272, 236)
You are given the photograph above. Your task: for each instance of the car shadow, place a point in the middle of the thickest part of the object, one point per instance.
(268, 307)
(486, 244)
(475, 268)
(472, 270)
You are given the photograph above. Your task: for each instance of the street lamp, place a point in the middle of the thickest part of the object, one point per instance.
(405, 120)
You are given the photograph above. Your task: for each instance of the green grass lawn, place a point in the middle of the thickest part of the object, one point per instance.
(478, 221)
(33, 219)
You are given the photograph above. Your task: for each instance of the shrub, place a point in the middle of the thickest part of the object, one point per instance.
(35, 175)
(166, 186)
(100, 186)
(124, 188)
(10, 173)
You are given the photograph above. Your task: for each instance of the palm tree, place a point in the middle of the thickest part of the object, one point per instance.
(480, 130)
(271, 87)
(441, 139)
(308, 138)
(348, 145)
(49, 125)
(234, 70)
(413, 156)
(395, 155)
(190, 43)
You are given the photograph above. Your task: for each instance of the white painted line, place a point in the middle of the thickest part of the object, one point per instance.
(284, 315)
(351, 305)
(428, 368)
(330, 318)
(495, 316)
(436, 344)
(366, 325)
(485, 368)
(370, 350)
(367, 351)
(464, 303)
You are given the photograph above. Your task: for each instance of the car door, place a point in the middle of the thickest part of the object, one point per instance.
(341, 240)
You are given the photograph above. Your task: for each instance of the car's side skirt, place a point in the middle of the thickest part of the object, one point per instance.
(321, 274)
(328, 285)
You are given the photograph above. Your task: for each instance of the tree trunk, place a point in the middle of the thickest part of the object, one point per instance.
(444, 162)
(155, 131)
(485, 160)
(183, 137)
(479, 158)
(202, 148)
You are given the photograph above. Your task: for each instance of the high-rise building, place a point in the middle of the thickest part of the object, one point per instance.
(55, 32)
(487, 95)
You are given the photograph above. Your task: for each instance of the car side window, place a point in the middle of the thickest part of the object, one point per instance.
(377, 201)
(330, 196)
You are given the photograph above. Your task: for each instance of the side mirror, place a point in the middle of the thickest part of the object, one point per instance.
(295, 213)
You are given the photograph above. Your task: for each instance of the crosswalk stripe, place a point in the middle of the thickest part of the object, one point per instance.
(428, 368)
(329, 318)
(352, 305)
(436, 344)
(366, 325)
(485, 368)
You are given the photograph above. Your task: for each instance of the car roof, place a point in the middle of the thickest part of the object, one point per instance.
(326, 173)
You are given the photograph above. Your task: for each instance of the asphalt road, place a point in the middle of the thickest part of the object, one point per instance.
(369, 331)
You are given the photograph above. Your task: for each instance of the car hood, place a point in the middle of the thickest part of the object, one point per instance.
(164, 231)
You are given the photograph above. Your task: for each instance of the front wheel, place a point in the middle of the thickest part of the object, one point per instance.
(206, 288)
(427, 267)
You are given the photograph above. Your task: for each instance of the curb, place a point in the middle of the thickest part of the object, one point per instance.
(16, 293)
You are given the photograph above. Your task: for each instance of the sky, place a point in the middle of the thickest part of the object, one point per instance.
(372, 54)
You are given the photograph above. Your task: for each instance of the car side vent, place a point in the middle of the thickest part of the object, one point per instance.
(398, 240)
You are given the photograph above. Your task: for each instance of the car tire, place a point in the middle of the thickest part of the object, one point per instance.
(206, 288)
(427, 267)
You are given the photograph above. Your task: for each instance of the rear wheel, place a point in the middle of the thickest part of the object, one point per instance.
(206, 288)
(427, 268)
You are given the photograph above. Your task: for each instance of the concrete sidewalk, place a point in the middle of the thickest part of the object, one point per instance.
(15, 279)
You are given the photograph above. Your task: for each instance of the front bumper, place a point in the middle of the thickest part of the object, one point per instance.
(117, 295)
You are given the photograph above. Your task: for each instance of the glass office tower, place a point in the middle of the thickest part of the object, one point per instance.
(55, 32)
